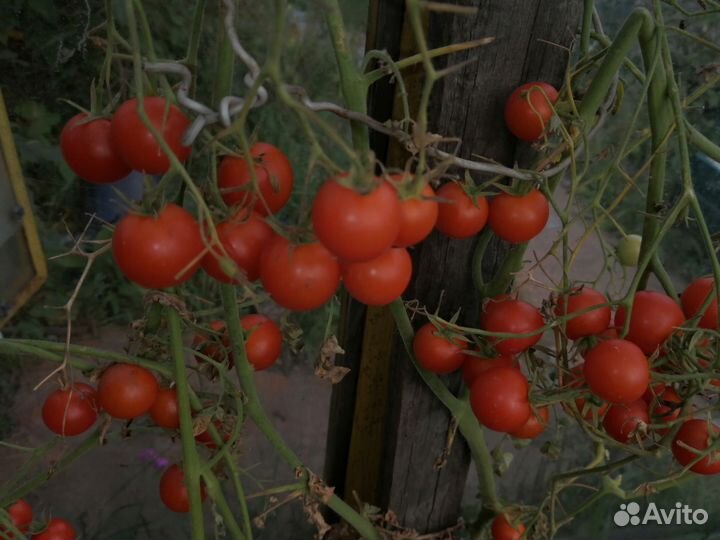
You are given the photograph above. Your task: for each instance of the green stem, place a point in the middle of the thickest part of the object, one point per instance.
(83, 448)
(264, 424)
(702, 143)
(352, 82)
(35, 347)
(191, 461)
(639, 19)
(468, 425)
(213, 487)
(191, 57)
(225, 65)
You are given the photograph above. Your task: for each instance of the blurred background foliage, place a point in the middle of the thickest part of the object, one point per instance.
(694, 64)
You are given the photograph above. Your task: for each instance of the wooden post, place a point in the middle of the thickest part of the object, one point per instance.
(387, 431)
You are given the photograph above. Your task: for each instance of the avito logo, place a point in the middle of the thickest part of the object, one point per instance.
(629, 514)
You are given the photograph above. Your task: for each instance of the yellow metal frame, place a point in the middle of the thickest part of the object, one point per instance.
(17, 182)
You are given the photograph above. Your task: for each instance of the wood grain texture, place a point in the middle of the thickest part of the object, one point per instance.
(467, 105)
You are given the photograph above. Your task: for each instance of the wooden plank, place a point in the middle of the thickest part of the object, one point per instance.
(467, 105)
(29, 235)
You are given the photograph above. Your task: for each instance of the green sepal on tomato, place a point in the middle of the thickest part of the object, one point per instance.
(418, 211)
(437, 351)
(461, 212)
(518, 218)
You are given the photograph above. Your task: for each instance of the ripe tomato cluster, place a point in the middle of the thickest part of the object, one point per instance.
(103, 151)
(21, 517)
(616, 372)
(129, 391)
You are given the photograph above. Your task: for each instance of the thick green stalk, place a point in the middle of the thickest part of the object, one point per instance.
(352, 82)
(702, 143)
(191, 461)
(588, 6)
(35, 347)
(225, 67)
(191, 57)
(639, 20)
(468, 425)
(661, 121)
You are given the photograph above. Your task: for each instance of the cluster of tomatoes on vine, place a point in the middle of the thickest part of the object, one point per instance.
(362, 227)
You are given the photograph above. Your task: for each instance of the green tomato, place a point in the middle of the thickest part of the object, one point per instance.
(628, 250)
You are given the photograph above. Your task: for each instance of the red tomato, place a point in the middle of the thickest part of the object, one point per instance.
(528, 111)
(173, 491)
(617, 371)
(158, 251)
(509, 316)
(127, 391)
(695, 434)
(593, 322)
(20, 516)
(665, 408)
(381, 280)
(243, 240)
(164, 412)
(474, 366)
(418, 216)
(460, 217)
(137, 145)
(71, 411)
(503, 530)
(518, 219)
(654, 317)
(356, 226)
(499, 399)
(299, 277)
(694, 297)
(436, 352)
(623, 419)
(273, 173)
(535, 424)
(216, 346)
(57, 529)
(263, 342)
(88, 150)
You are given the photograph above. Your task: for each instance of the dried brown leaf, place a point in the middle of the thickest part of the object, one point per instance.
(325, 367)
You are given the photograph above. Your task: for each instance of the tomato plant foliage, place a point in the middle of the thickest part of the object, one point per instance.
(265, 234)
